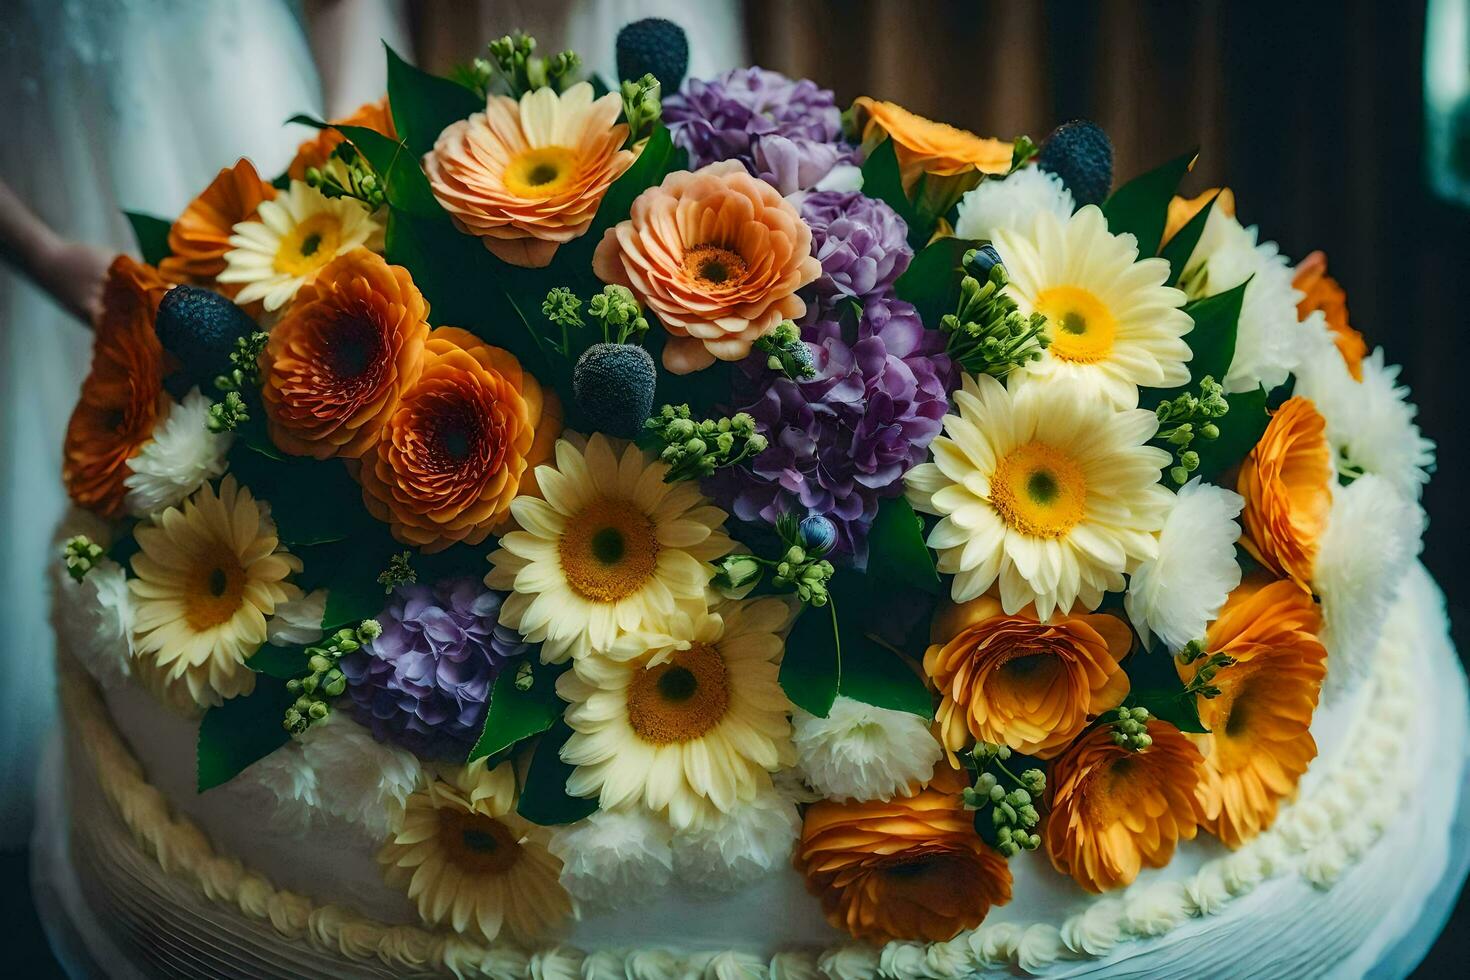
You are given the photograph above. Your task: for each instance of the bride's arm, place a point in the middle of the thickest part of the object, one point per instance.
(346, 38)
(69, 272)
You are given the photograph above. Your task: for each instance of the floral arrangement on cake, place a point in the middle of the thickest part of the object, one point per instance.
(581, 489)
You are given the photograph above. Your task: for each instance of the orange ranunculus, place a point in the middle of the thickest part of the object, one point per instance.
(1259, 743)
(1015, 681)
(315, 151)
(1322, 292)
(201, 236)
(718, 255)
(1183, 209)
(1286, 482)
(925, 146)
(122, 396)
(913, 868)
(463, 441)
(334, 366)
(527, 177)
(1111, 810)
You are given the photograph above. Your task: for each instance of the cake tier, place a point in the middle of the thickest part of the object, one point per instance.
(202, 886)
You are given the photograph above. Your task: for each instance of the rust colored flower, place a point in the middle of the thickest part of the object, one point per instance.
(1286, 482)
(718, 255)
(1322, 292)
(1112, 810)
(527, 176)
(1183, 209)
(336, 363)
(925, 146)
(122, 396)
(464, 439)
(1013, 680)
(201, 236)
(1259, 743)
(315, 151)
(913, 868)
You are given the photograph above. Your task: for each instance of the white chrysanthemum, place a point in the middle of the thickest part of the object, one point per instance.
(611, 549)
(1112, 322)
(614, 858)
(182, 454)
(736, 848)
(861, 752)
(1372, 537)
(1267, 336)
(298, 622)
(95, 621)
(1011, 203)
(294, 236)
(1370, 423)
(1179, 593)
(1049, 491)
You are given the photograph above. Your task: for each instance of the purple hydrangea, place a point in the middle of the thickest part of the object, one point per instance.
(861, 242)
(797, 164)
(425, 682)
(840, 442)
(730, 117)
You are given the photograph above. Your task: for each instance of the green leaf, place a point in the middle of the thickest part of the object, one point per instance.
(1141, 206)
(1240, 430)
(302, 119)
(883, 180)
(544, 798)
(1179, 248)
(811, 668)
(896, 548)
(404, 182)
(353, 590)
(424, 105)
(1212, 341)
(152, 235)
(312, 501)
(1156, 686)
(1178, 709)
(281, 662)
(876, 675)
(241, 731)
(932, 280)
(515, 714)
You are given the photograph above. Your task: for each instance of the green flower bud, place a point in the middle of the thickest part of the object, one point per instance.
(318, 710)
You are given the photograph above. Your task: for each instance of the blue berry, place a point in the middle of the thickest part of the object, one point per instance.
(656, 47)
(980, 261)
(1081, 154)
(613, 386)
(818, 535)
(200, 327)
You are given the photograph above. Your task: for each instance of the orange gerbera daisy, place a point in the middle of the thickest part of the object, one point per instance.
(527, 176)
(1016, 681)
(1286, 482)
(314, 152)
(1259, 743)
(1111, 810)
(913, 868)
(462, 442)
(924, 146)
(718, 255)
(1322, 292)
(122, 396)
(1183, 209)
(201, 236)
(335, 364)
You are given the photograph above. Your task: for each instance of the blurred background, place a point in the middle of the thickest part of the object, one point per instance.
(1342, 126)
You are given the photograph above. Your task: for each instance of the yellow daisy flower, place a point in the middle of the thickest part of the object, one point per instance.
(291, 239)
(1112, 322)
(690, 722)
(466, 859)
(611, 549)
(1045, 489)
(208, 573)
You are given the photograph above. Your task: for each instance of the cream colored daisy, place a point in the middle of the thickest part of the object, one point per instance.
(294, 236)
(1045, 489)
(208, 574)
(467, 860)
(612, 549)
(690, 725)
(1112, 322)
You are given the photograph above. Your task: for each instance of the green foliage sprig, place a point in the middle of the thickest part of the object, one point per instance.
(1202, 683)
(1186, 418)
(642, 107)
(348, 174)
(987, 334)
(514, 63)
(615, 311)
(399, 572)
(244, 376)
(1011, 828)
(325, 680)
(81, 554)
(800, 568)
(1130, 728)
(786, 352)
(695, 449)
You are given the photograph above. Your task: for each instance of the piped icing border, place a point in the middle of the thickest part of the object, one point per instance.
(1320, 836)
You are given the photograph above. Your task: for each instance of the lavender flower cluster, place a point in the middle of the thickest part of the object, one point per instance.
(425, 682)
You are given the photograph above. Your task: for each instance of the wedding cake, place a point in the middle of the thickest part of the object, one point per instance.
(678, 528)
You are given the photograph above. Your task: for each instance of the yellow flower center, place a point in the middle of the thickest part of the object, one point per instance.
(608, 550)
(216, 585)
(309, 246)
(1039, 491)
(1080, 325)
(542, 172)
(478, 844)
(714, 265)
(681, 699)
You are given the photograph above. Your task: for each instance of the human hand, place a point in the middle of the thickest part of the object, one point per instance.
(73, 274)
